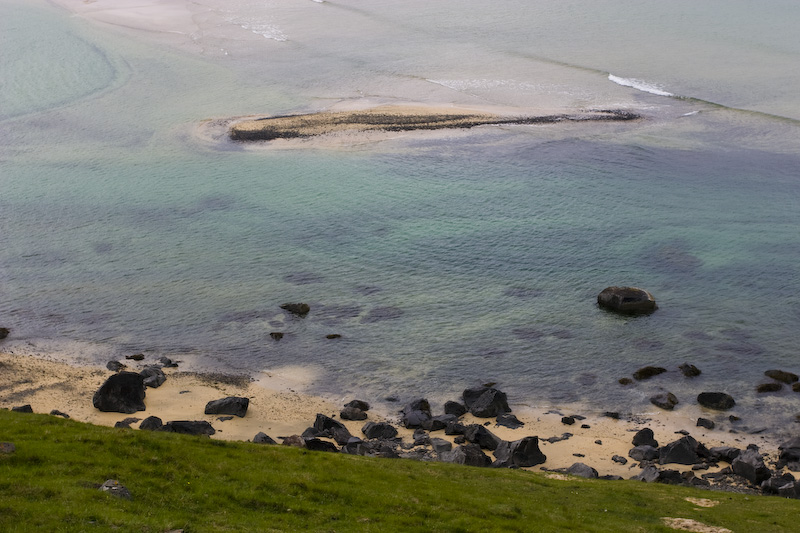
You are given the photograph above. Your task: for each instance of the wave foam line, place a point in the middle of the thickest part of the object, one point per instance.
(639, 85)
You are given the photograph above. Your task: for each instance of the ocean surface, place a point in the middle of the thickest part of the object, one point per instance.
(442, 259)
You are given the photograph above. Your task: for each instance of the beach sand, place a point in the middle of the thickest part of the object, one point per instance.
(279, 407)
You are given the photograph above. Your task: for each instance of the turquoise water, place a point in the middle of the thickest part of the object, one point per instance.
(442, 260)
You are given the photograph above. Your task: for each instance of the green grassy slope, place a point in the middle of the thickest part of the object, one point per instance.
(178, 482)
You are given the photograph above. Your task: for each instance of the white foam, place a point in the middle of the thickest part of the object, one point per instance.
(639, 85)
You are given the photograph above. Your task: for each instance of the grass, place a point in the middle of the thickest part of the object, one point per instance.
(180, 482)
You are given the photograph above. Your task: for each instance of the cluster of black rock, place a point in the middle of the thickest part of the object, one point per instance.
(747, 470)
(472, 441)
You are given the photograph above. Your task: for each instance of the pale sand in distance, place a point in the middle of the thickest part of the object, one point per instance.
(280, 408)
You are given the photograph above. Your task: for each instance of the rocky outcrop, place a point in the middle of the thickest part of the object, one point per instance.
(750, 465)
(468, 454)
(379, 430)
(121, 393)
(684, 451)
(627, 300)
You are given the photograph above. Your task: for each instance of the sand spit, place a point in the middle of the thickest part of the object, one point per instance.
(398, 118)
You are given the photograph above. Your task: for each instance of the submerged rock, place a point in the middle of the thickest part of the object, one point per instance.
(782, 376)
(297, 309)
(648, 372)
(627, 300)
(664, 400)
(690, 371)
(719, 401)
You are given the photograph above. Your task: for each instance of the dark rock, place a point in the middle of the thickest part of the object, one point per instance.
(263, 438)
(648, 372)
(627, 300)
(358, 404)
(670, 477)
(313, 433)
(441, 446)
(454, 408)
(796, 387)
(352, 413)
(122, 393)
(750, 465)
(189, 427)
(166, 362)
(379, 430)
(7, 448)
(769, 387)
(478, 434)
(723, 453)
(421, 437)
(325, 424)
(567, 420)
(415, 413)
(135, 357)
(553, 440)
(664, 400)
(643, 453)
(684, 451)
(705, 423)
(113, 487)
(510, 421)
(126, 423)
(460, 439)
(782, 376)
(4, 333)
(232, 405)
(151, 423)
(294, 440)
(690, 371)
(455, 428)
(438, 423)
(718, 401)
(319, 445)
(520, 453)
(276, 335)
(23, 408)
(783, 485)
(611, 414)
(56, 412)
(298, 309)
(645, 437)
(115, 366)
(333, 336)
(153, 377)
(582, 470)
(489, 404)
(789, 452)
(468, 454)
(649, 474)
(625, 381)
(619, 459)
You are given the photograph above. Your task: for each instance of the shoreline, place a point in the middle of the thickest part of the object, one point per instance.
(281, 409)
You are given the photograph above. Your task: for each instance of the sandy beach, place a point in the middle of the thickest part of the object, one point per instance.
(280, 408)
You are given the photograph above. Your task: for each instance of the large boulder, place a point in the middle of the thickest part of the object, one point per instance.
(750, 465)
(520, 453)
(481, 436)
(468, 454)
(263, 438)
(582, 470)
(415, 413)
(718, 401)
(643, 452)
(153, 376)
(352, 413)
(379, 430)
(438, 423)
(664, 400)
(328, 427)
(151, 423)
(645, 436)
(684, 451)
(627, 300)
(486, 402)
(232, 405)
(121, 393)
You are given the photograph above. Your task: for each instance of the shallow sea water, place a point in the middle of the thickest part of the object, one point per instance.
(443, 260)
